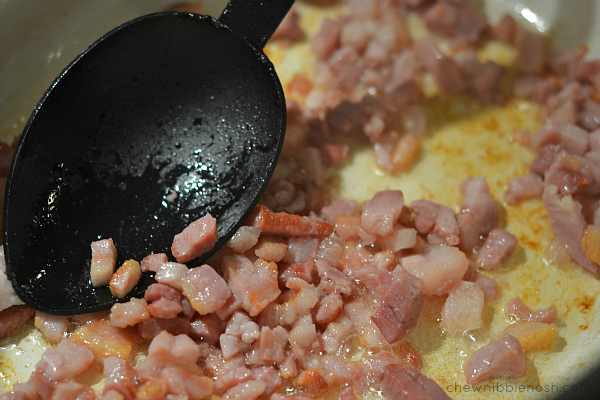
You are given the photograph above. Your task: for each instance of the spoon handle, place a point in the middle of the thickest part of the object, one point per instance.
(255, 20)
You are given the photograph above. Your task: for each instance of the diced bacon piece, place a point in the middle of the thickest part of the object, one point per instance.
(344, 64)
(335, 154)
(206, 290)
(559, 60)
(233, 304)
(488, 285)
(401, 306)
(172, 274)
(39, 386)
(478, 213)
(289, 30)
(565, 113)
(445, 71)
(463, 308)
(255, 284)
(589, 116)
(53, 327)
(286, 225)
(299, 86)
(437, 218)
(505, 30)
(376, 280)
(350, 227)
(531, 48)
(270, 376)
(271, 249)
(545, 157)
(408, 146)
(152, 262)
(515, 308)
(167, 350)
(157, 291)
(231, 378)
(104, 260)
(330, 250)
(440, 269)
(336, 278)
(304, 271)
(71, 390)
(130, 313)
(301, 249)
(313, 381)
(375, 366)
(335, 333)
(249, 390)
(497, 248)
(354, 257)
(570, 137)
(104, 340)
(573, 175)
(84, 319)
(339, 372)
(120, 376)
(338, 208)
(382, 212)
(152, 389)
(14, 317)
(67, 360)
(242, 326)
(347, 394)
(461, 24)
(532, 335)
(503, 358)
(326, 40)
(196, 239)
(151, 327)
(8, 297)
(230, 346)
(524, 187)
(331, 306)
(207, 327)
(188, 310)
(244, 238)
(404, 382)
(568, 224)
(590, 243)
(288, 368)
(125, 279)
(534, 88)
(354, 33)
(303, 333)
(272, 342)
(186, 385)
(165, 308)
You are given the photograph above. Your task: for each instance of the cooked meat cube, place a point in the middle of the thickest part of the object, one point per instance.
(104, 261)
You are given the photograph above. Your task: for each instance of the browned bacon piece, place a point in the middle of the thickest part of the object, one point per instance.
(286, 225)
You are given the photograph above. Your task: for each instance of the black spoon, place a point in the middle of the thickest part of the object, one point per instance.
(167, 103)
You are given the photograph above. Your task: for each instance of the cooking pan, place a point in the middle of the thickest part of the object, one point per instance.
(38, 38)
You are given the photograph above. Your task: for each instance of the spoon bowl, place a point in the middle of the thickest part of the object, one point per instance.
(166, 118)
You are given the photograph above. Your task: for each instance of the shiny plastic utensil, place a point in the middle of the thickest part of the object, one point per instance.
(165, 118)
